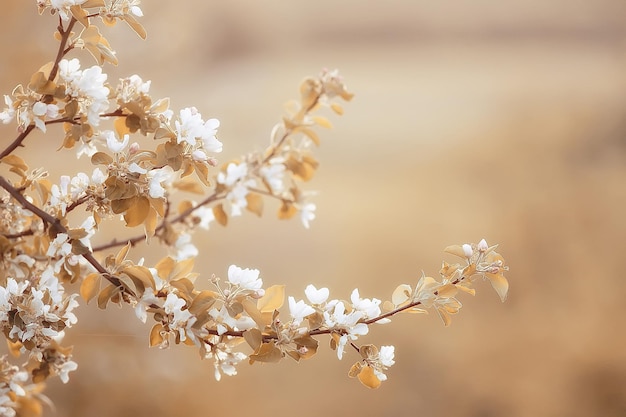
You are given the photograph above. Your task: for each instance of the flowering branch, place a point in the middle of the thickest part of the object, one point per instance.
(48, 262)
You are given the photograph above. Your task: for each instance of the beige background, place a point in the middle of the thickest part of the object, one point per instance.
(471, 119)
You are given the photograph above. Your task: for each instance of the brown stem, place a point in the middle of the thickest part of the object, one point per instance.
(17, 142)
(65, 35)
(177, 219)
(290, 131)
(55, 223)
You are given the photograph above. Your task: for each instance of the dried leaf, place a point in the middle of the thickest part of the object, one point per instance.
(401, 294)
(259, 318)
(90, 286)
(287, 210)
(337, 108)
(121, 205)
(80, 14)
(164, 267)
(272, 300)
(106, 294)
(254, 338)
(137, 212)
(202, 302)
(220, 215)
(141, 274)
(189, 186)
(355, 369)
(268, 353)
(255, 203)
(311, 135)
(456, 250)
(122, 253)
(369, 378)
(322, 121)
(136, 26)
(182, 269)
(156, 338)
(150, 223)
(15, 161)
(121, 127)
(500, 284)
(447, 291)
(101, 158)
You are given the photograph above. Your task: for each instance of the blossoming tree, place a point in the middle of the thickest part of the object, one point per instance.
(143, 155)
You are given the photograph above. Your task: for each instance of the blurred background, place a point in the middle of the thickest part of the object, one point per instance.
(472, 119)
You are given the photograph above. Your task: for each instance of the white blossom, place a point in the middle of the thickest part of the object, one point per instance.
(299, 310)
(157, 177)
(316, 296)
(245, 278)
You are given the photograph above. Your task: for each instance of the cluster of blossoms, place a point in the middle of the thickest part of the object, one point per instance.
(143, 154)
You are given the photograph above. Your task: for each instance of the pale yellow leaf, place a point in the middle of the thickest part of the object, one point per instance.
(369, 378)
(272, 300)
(90, 286)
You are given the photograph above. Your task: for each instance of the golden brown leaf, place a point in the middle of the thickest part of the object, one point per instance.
(500, 284)
(220, 215)
(272, 300)
(255, 203)
(90, 286)
(254, 338)
(156, 338)
(287, 210)
(137, 212)
(268, 353)
(202, 302)
(106, 294)
(369, 378)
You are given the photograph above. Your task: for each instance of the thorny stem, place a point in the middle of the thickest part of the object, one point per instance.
(55, 223)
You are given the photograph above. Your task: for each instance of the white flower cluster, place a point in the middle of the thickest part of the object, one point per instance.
(87, 87)
(36, 311)
(11, 385)
(70, 190)
(198, 134)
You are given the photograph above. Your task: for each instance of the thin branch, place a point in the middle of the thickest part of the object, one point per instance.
(17, 142)
(65, 35)
(177, 219)
(55, 223)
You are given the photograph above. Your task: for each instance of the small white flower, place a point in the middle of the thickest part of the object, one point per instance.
(386, 355)
(66, 368)
(234, 173)
(157, 177)
(206, 216)
(482, 245)
(273, 175)
(307, 214)
(9, 113)
(185, 248)
(113, 143)
(316, 296)
(467, 250)
(299, 310)
(245, 278)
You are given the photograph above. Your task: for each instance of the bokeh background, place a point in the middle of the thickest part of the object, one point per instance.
(502, 120)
